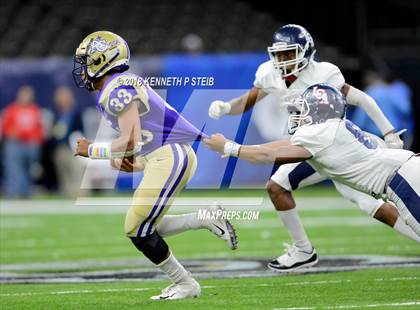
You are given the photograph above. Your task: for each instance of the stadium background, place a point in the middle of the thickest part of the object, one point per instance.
(226, 40)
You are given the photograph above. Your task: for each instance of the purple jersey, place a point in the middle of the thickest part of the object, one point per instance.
(160, 123)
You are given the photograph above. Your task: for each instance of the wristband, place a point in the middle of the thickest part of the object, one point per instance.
(231, 149)
(99, 150)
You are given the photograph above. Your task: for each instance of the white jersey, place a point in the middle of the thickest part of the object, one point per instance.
(342, 152)
(271, 82)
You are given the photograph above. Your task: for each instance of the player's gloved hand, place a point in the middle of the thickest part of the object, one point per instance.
(219, 108)
(393, 140)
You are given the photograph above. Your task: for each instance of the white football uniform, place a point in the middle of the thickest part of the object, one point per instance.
(270, 81)
(297, 175)
(342, 152)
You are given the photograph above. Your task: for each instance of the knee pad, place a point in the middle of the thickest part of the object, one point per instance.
(370, 206)
(152, 246)
(280, 179)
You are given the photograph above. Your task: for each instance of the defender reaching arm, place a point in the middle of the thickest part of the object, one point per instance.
(280, 152)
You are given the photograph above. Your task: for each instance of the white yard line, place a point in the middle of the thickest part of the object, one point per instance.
(398, 279)
(111, 290)
(85, 205)
(150, 288)
(87, 291)
(326, 221)
(394, 304)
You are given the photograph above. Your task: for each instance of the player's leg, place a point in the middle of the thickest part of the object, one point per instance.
(378, 209)
(286, 179)
(171, 225)
(404, 190)
(166, 172)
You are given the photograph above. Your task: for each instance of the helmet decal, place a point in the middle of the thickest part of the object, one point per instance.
(97, 54)
(97, 45)
(317, 104)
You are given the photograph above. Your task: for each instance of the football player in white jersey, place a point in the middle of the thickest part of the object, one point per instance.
(290, 70)
(338, 149)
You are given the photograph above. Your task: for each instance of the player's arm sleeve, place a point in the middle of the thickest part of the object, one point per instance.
(262, 75)
(245, 102)
(258, 81)
(335, 77)
(313, 138)
(359, 98)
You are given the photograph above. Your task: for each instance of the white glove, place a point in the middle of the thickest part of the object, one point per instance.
(219, 108)
(393, 140)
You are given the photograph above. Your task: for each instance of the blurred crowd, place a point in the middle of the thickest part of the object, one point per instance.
(36, 143)
(394, 97)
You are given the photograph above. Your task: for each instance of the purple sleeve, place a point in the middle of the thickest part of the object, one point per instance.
(120, 98)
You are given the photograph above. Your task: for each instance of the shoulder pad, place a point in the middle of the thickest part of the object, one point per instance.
(121, 91)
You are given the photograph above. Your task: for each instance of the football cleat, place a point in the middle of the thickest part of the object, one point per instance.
(293, 259)
(221, 227)
(190, 289)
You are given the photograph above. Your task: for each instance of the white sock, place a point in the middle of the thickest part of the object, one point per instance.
(175, 271)
(174, 224)
(405, 230)
(291, 221)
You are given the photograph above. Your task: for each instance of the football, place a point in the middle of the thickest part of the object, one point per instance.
(130, 158)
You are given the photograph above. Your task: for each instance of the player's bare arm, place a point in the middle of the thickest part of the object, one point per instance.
(359, 98)
(237, 105)
(280, 152)
(128, 140)
(246, 101)
(129, 123)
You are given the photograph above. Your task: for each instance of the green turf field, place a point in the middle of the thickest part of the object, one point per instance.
(67, 238)
(367, 289)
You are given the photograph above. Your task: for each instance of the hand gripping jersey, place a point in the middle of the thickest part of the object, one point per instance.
(270, 81)
(346, 154)
(160, 123)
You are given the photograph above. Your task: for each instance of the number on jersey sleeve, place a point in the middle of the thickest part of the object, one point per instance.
(120, 98)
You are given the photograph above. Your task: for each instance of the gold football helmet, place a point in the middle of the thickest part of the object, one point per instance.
(96, 55)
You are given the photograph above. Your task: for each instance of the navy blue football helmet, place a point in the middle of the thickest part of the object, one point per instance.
(317, 104)
(292, 49)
